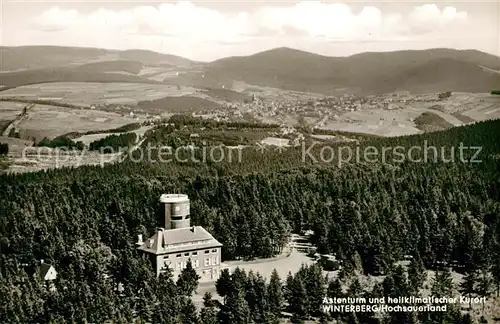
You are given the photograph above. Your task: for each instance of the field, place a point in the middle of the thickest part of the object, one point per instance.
(272, 93)
(377, 121)
(275, 141)
(8, 113)
(32, 159)
(460, 109)
(10, 110)
(87, 93)
(49, 121)
(160, 73)
(87, 139)
(24, 157)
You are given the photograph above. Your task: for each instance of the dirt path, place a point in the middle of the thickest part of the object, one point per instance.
(120, 157)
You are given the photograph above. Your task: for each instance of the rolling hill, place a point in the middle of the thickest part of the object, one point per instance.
(154, 58)
(418, 71)
(16, 79)
(38, 57)
(127, 66)
(433, 70)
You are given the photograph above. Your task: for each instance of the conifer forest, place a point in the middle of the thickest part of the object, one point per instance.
(442, 216)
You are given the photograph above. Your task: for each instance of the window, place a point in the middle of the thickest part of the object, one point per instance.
(186, 254)
(196, 263)
(166, 256)
(214, 260)
(179, 255)
(195, 253)
(214, 251)
(207, 251)
(178, 266)
(207, 262)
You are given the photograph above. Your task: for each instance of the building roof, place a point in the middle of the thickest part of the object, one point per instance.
(173, 198)
(47, 272)
(179, 239)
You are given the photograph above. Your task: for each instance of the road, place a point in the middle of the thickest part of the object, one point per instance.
(18, 119)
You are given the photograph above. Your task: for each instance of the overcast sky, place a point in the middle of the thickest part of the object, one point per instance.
(207, 30)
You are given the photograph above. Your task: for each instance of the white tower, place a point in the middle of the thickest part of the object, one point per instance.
(175, 209)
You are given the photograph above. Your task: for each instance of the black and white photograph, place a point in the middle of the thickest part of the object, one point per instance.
(249, 162)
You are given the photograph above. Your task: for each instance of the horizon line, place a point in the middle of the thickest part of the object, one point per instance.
(253, 53)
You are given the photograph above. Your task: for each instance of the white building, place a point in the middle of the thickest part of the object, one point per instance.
(179, 242)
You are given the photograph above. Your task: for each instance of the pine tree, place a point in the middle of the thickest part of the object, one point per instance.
(442, 285)
(315, 284)
(275, 295)
(416, 275)
(223, 284)
(235, 310)
(299, 299)
(207, 300)
(188, 280)
(400, 281)
(389, 286)
(166, 298)
(484, 285)
(334, 289)
(188, 313)
(355, 289)
(287, 289)
(468, 285)
(261, 312)
(208, 314)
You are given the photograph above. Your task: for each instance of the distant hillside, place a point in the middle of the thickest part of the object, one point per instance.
(441, 75)
(36, 57)
(15, 79)
(133, 67)
(434, 70)
(367, 72)
(154, 58)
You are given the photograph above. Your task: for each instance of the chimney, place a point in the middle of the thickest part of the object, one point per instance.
(159, 238)
(139, 240)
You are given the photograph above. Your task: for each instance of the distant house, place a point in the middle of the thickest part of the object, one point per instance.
(47, 272)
